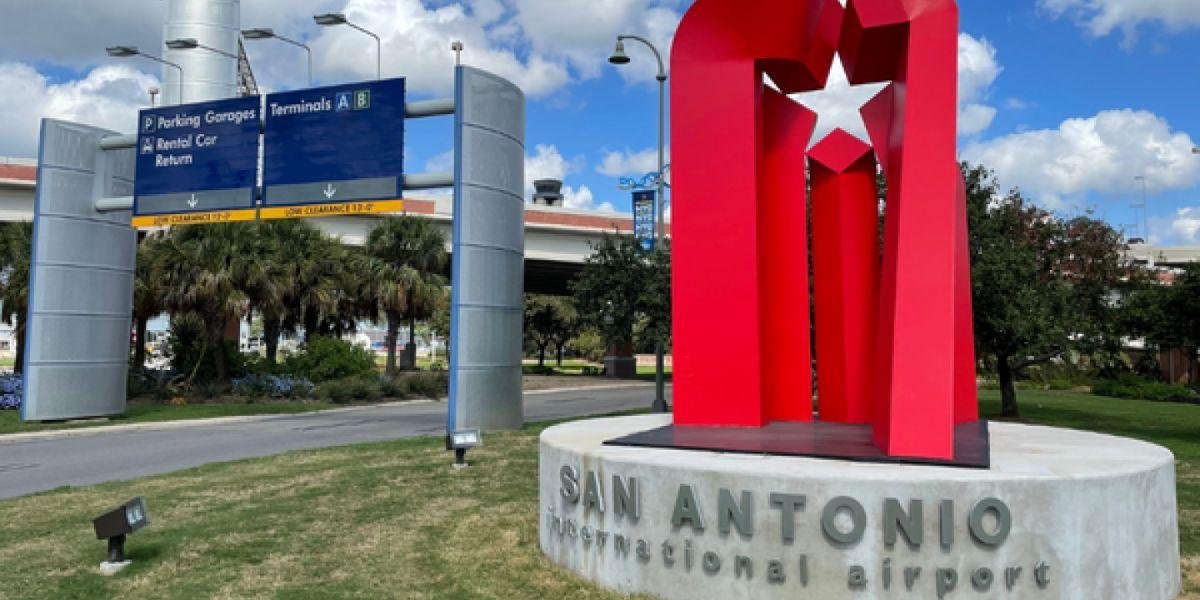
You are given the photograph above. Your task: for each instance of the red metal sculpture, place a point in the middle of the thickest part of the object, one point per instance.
(845, 241)
(741, 289)
(741, 261)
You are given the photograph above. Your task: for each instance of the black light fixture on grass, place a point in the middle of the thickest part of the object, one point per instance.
(460, 441)
(114, 525)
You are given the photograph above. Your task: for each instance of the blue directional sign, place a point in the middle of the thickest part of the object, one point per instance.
(197, 159)
(643, 218)
(335, 144)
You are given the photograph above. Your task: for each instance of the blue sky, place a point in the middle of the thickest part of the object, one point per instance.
(1068, 99)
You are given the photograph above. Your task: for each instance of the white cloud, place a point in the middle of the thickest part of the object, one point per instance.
(838, 104)
(1102, 17)
(440, 163)
(107, 96)
(1182, 228)
(548, 163)
(977, 71)
(584, 31)
(541, 45)
(628, 162)
(1100, 154)
(581, 199)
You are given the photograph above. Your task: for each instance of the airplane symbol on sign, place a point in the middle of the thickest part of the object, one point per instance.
(192, 202)
(330, 191)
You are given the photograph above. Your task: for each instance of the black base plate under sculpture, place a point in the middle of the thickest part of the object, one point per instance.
(834, 441)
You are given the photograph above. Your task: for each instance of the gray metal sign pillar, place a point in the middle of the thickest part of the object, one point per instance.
(81, 279)
(489, 247)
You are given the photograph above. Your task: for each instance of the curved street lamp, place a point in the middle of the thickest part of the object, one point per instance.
(619, 57)
(131, 51)
(266, 33)
(192, 44)
(330, 19)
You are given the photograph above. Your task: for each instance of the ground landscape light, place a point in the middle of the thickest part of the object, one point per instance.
(114, 525)
(462, 439)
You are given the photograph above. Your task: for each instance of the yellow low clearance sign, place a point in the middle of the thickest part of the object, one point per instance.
(196, 218)
(274, 212)
(337, 209)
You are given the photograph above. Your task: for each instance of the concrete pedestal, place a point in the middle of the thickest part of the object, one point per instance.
(1060, 514)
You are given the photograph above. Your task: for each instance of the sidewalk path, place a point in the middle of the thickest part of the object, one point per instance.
(44, 461)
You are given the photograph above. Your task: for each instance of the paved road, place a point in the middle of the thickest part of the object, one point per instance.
(42, 463)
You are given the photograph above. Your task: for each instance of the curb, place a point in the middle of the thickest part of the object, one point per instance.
(12, 438)
(185, 423)
(615, 386)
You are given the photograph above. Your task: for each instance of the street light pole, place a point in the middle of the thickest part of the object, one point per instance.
(263, 33)
(620, 58)
(1145, 209)
(340, 19)
(128, 51)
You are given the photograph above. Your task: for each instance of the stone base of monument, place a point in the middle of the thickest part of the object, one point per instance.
(1059, 514)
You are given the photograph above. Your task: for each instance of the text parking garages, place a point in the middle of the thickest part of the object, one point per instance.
(197, 163)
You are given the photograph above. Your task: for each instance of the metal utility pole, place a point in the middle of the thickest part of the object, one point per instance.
(620, 58)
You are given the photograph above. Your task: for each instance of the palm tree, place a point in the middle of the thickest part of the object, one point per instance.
(207, 270)
(297, 266)
(16, 251)
(411, 257)
(147, 294)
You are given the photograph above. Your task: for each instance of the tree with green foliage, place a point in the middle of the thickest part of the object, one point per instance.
(655, 296)
(566, 329)
(549, 322)
(16, 255)
(207, 270)
(148, 294)
(1042, 285)
(621, 286)
(410, 258)
(1166, 314)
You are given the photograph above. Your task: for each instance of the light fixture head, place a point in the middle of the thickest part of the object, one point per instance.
(121, 51)
(330, 19)
(114, 525)
(122, 520)
(258, 33)
(466, 438)
(619, 57)
(183, 44)
(456, 46)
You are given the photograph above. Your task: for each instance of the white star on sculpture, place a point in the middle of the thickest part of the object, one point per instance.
(837, 106)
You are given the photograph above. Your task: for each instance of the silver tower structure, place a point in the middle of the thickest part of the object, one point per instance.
(207, 75)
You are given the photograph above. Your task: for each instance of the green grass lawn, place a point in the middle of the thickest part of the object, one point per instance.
(392, 519)
(10, 421)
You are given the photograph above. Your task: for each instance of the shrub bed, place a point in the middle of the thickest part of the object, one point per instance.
(11, 389)
(1141, 389)
(372, 388)
(274, 386)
